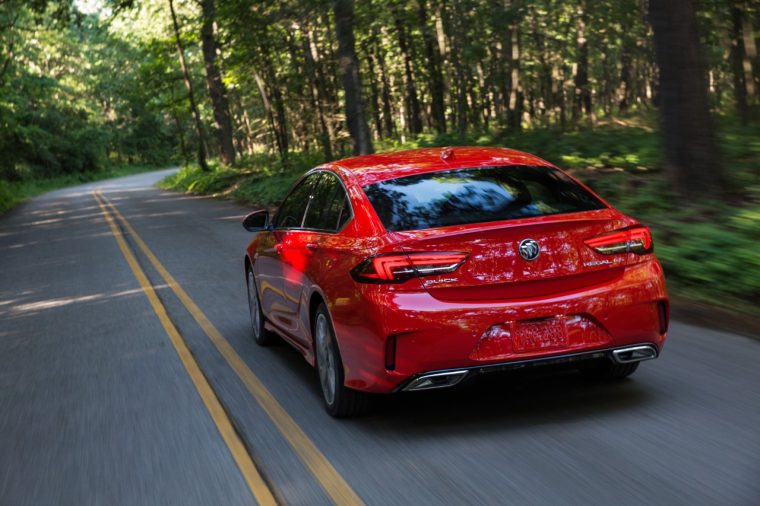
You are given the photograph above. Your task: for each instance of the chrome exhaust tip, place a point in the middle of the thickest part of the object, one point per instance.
(634, 354)
(435, 380)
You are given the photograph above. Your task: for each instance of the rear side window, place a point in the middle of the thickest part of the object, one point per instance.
(329, 208)
(290, 214)
(482, 194)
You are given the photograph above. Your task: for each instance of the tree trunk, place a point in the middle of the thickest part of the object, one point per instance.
(452, 27)
(582, 89)
(279, 108)
(386, 92)
(374, 93)
(190, 95)
(319, 94)
(216, 89)
(691, 153)
(738, 56)
(269, 112)
(514, 104)
(349, 71)
(435, 75)
(180, 137)
(625, 90)
(180, 131)
(413, 116)
(6, 64)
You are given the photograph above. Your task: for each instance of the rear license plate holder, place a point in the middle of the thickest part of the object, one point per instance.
(539, 335)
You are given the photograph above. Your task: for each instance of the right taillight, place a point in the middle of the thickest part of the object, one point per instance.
(636, 239)
(399, 267)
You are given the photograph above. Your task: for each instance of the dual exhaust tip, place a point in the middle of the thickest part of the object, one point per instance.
(634, 354)
(447, 379)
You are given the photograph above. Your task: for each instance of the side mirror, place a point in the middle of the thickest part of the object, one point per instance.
(257, 221)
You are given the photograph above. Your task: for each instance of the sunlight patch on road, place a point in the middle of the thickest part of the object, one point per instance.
(65, 301)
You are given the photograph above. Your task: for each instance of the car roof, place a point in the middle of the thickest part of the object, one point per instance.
(368, 169)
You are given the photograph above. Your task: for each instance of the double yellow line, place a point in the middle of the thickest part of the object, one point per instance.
(332, 482)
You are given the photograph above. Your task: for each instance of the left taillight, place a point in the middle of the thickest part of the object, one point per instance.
(636, 239)
(399, 267)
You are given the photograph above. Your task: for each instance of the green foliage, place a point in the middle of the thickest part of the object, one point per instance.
(628, 143)
(260, 180)
(81, 93)
(70, 97)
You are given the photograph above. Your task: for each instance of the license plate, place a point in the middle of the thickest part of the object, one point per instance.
(537, 335)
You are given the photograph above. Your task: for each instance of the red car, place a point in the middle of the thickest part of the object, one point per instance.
(415, 270)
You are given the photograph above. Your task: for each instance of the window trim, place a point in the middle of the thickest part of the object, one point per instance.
(311, 197)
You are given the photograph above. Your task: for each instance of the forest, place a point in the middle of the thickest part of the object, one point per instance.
(655, 104)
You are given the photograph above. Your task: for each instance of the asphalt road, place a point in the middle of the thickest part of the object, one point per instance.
(96, 406)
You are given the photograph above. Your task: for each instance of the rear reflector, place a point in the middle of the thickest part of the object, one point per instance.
(390, 353)
(399, 267)
(663, 313)
(636, 239)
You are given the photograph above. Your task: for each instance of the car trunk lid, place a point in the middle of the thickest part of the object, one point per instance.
(495, 269)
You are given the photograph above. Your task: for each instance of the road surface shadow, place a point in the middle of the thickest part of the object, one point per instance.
(508, 400)
(497, 401)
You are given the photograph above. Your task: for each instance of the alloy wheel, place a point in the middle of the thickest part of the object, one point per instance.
(325, 358)
(253, 306)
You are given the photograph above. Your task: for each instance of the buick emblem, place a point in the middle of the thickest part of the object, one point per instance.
(529, 249)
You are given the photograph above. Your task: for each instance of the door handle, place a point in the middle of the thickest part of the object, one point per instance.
(311, 246)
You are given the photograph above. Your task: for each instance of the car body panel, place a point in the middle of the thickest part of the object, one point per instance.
(472, 316)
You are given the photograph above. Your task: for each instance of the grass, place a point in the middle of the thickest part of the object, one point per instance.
(259, 180)
(709, 249)
(14, 192)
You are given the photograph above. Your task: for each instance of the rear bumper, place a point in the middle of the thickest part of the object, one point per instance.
(442, 379)
(427, 335)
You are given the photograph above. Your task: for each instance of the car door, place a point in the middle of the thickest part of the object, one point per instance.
(327, 251)
(279, 259)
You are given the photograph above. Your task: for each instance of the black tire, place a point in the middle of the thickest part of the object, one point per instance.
(260, 334)
(607, 370)
(340, 401)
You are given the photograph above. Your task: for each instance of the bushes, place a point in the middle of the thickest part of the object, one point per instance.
(259, 179)
(7, 198)
(718, 256)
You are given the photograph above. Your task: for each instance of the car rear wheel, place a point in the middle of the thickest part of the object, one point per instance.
(607, 370)
(261, 335)
(339, 400)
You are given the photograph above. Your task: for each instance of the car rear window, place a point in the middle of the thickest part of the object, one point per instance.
(474, 195)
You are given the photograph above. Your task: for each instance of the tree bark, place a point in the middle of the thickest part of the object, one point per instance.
(279, 108)
(692, 159)
(374, 93)
(216, 88)
(180, 130)
(269, 112)
(10, 55)
(349, 71)
(386, 91)
(435, 75)
(413, 115)
(582, 89)
(737, 58)
(514, 103)
(625, 88)
(319, 94)
(190, 95)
